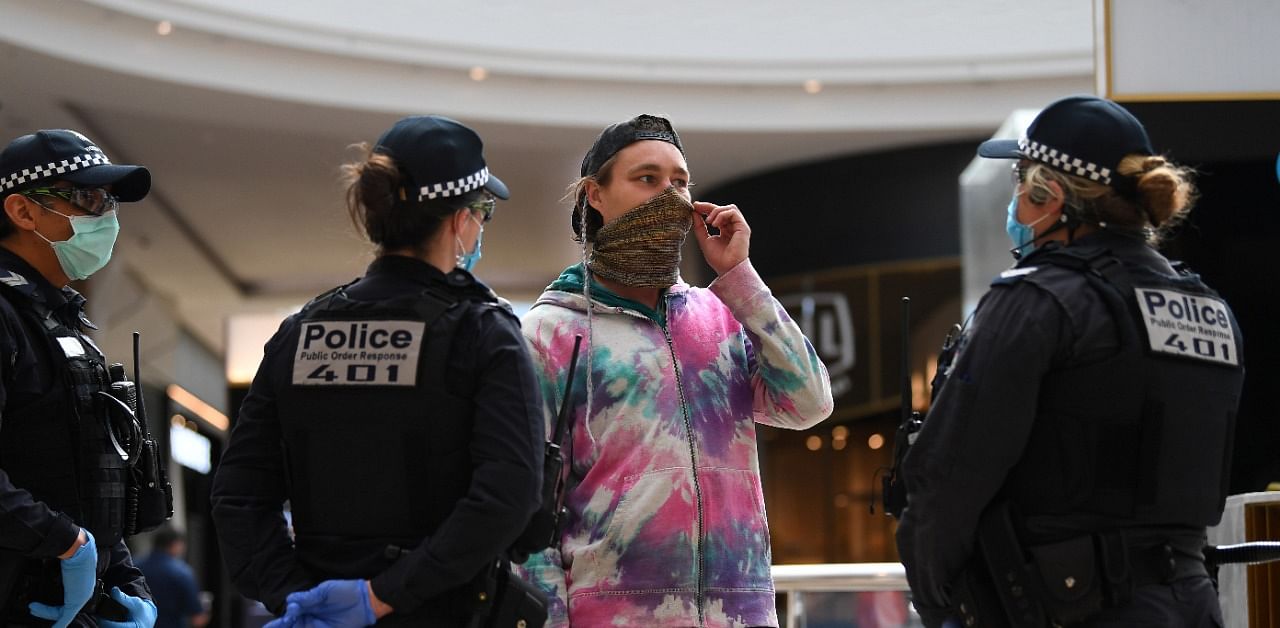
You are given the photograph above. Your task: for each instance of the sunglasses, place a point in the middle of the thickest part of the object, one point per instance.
(93, 201)
(485, 206)
(1018, 173)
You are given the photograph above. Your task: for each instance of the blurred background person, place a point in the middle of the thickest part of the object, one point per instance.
(173, 585)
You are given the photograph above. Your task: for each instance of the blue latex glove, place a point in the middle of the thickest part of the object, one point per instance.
(142, 612)
(330, 604)
(79, 575)
(288, 620)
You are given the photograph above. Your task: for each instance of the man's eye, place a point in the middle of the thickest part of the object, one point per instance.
(647, 178)
(680, 183)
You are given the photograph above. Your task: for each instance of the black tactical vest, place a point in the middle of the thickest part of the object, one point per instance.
(375, 426)
(60, 446)
(1143, 436)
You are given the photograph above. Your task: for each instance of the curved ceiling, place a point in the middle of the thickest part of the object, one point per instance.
(715, 65)
(705, 42)
(244, 109)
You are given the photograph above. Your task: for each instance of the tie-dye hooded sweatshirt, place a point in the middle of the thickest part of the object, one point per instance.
(666, 520)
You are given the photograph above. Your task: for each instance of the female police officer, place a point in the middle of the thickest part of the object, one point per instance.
(397, 414)
(1078, 446)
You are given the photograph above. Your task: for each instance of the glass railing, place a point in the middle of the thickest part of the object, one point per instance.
(846, 595)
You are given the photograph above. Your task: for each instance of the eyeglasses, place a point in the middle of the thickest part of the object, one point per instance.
(485, 206)
(94, 201)
(1018, 173)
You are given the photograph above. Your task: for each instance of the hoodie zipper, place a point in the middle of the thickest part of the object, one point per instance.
(693, 460)
(699, 592)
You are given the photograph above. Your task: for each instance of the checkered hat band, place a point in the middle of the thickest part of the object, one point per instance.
(35, 173)
(1072, 165)
(454, 188)
(67, 165)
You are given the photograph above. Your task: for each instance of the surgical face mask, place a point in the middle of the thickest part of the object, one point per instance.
(1022, 236)
(89, 248)
(641, 248)
(464, 260)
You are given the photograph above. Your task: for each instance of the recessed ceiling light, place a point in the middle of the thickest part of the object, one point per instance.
(478, 73)
(164, 27)
(876, 441)
(813, 86)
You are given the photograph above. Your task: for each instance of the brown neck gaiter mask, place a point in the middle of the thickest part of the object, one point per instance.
(641, 248)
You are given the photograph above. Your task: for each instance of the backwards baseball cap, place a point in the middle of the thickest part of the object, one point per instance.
(1084, 136)
(441, 157)
(65, 155)
(612, 139)
(616, 137)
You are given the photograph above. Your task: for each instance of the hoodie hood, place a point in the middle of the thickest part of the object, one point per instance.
(567, 292)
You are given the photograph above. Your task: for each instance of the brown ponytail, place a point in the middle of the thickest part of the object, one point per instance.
(381, 203)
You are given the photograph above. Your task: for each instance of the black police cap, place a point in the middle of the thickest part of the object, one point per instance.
(442, 157)
(1084, 136)
(64, 155)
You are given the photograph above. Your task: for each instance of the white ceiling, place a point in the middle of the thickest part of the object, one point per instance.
(244, 112)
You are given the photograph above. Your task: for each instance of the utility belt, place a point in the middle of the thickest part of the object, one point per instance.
(496, 597)
(504, 600)
(42, 582)
(1058, 584)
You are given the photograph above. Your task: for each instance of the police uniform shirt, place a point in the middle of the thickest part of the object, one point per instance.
(29, 529)
(979, 426)
(505, 450)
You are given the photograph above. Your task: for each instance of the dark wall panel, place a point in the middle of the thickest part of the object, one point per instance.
(883, 207)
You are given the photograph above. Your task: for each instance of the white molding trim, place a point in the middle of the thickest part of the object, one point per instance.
(951, 94)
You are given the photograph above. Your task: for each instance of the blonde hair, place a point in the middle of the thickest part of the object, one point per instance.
(1163, 194)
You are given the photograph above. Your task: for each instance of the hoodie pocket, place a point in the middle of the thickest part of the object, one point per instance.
(649, 538)
(736, 551)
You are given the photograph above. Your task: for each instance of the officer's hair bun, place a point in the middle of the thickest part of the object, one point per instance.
(379, 204)
(384, 204)
(1165, 189)
(371, 184)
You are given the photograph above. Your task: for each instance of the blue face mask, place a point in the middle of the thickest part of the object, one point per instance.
(89, 249)
(1022, 236)
(466, 261)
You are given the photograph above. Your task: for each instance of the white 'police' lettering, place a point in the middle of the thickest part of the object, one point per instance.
(358, 353)
(1188, 325)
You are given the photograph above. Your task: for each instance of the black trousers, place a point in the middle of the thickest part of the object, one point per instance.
(1186, 603)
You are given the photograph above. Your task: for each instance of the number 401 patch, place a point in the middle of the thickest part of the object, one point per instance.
(358, 353)
(1188, 325)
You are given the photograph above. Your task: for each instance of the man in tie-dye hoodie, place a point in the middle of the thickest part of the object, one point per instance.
(666, 522)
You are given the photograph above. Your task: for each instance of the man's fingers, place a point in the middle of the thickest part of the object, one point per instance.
(728, 216)
(700, 231)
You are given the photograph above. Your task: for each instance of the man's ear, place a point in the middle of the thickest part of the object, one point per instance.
(21, 211)
(593, 193)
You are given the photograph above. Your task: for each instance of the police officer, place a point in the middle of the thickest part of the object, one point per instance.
(1079, 445)
(63, 471)
(397, 414)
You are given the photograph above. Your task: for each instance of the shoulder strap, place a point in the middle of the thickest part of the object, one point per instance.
(24, 301)
(428, 303)
(1097, 261)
